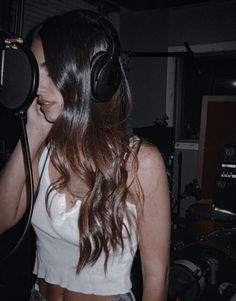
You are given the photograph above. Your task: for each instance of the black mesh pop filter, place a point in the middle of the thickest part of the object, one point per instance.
(19, 74)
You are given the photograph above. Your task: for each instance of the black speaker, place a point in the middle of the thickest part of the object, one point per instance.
(224, 195)
(105, 66)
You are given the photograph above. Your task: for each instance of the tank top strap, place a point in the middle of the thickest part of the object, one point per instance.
(133, 140)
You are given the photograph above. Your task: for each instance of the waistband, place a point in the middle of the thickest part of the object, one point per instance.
(124, 297)
(36, 296)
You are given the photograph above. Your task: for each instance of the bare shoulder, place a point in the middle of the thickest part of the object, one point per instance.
(150, 161)
(151, 174)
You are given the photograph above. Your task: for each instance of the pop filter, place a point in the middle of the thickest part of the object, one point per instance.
(19, 73)
(19, 77)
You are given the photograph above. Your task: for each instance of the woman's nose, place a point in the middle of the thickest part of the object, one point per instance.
(42, 81)
(40, 91)
(42, 86)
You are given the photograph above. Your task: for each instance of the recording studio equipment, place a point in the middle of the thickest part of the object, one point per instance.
(202, 218)
(187, 281)
(224, 195)
(227, 291)
(193, 189)
(105, 66)
(18, 73)
(229, 155)
(18, 85)
(198, 269)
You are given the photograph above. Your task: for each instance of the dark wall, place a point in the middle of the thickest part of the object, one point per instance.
(160, 29)
(204, 24)
(148, 32)
(5, 14)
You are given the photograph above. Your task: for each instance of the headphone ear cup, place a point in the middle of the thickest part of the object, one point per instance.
(105, 77)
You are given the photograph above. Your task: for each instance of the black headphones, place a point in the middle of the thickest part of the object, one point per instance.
(105, 66)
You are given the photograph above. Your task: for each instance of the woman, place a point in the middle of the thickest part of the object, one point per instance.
(100, 192)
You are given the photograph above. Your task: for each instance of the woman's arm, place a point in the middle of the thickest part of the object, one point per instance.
(13, 177)
(154, 224)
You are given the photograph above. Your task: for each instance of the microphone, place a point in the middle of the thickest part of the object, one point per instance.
(19, 75)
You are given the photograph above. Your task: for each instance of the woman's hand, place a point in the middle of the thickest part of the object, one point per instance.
(37, 125)
(13, 202)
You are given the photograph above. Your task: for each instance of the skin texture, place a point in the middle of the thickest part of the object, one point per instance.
(153, 217)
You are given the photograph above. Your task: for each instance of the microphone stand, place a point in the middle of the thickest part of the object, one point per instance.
(179, 195)
(26, 152)
(21, 115)
(19, 17)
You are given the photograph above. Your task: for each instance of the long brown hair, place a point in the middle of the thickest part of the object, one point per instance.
(89, 139)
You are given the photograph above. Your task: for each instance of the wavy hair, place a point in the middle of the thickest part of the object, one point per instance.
(88, 139)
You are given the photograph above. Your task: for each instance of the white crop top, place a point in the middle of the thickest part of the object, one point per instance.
(57, 252)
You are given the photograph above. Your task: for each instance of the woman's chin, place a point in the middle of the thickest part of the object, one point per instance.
(49, 118)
